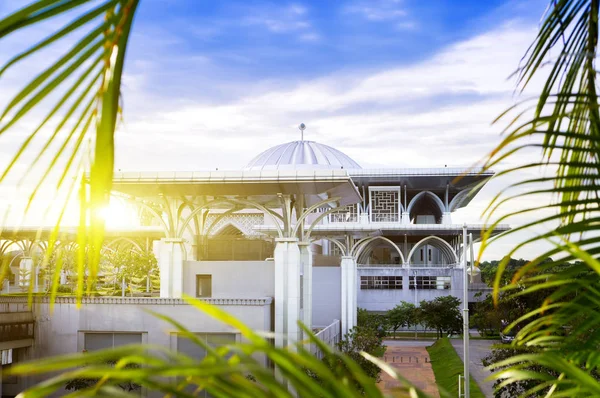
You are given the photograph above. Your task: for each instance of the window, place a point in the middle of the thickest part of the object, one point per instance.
(430, 255)
(430, 282)
(203, 285)
(98, 341)
(191, 349)
(421, 254)
(381, 282)
(7, 356)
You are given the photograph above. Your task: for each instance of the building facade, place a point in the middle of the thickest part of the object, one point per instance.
(301, 233)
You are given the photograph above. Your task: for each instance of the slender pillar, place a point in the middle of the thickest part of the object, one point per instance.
(466, 315)
(171, 268)
(446, 218)
(27, 271)
(349, 296)
(287, 291)
(405, 218)
(306, 260)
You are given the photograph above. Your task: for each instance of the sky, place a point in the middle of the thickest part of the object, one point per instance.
(391, 83)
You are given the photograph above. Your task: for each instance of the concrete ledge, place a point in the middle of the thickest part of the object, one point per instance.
(262, 301)
(7, 345)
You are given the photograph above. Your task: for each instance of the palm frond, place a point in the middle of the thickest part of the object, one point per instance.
(564, 124)
(81, 89)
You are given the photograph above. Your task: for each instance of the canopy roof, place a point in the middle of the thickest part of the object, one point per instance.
(262, 186)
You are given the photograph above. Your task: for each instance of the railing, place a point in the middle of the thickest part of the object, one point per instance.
(366, 218)
(408, 265)
(343, 217)
(330, 335)
(383, 217)
(16, 331)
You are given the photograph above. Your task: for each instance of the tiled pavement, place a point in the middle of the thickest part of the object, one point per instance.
(411, 363)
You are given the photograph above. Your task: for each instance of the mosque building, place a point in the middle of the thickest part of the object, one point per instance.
(303, 232)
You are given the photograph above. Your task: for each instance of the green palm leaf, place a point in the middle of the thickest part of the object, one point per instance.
(563, 123)
(82, 89)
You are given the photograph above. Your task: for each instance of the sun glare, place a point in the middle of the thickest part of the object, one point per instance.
(119, 215)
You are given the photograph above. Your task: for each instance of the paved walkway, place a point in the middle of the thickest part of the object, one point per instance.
(478, 349)
(411, 360)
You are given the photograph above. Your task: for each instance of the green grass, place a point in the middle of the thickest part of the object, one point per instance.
(447, 366)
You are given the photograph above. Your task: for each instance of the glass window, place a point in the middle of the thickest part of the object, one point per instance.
(98, 341)
(191, 349)
(381, 282)
(6, 356)
(203, 285)
(429, 282)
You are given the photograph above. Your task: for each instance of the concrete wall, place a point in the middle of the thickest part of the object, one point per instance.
(240, 279)
(383, 300)
(61, 331)
(326, 295)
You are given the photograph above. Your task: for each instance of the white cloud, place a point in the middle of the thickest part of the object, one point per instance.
(289, 18)
(378, 10)
(428, 114)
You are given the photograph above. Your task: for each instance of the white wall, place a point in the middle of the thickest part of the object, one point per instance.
(59, 331)
(383, 300)
(326, 295)
(237, 279)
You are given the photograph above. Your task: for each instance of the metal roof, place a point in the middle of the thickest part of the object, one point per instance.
(302, 154)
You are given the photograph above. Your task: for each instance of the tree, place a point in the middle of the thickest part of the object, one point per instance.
(563, 123)
(402, 315)
(134, 267)
(442, 314)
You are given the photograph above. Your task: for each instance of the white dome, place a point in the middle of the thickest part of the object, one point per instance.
(302, 155)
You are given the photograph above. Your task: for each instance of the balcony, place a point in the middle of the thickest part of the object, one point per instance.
(13, 331)
(409, 266)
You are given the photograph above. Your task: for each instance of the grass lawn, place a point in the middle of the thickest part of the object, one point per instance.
(447, 366)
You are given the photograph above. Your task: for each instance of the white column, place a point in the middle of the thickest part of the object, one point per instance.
(405, 218)
(306, 259)
(348, 289)
(287, 291)
(26, 271)
(170, 263)
(446, 217)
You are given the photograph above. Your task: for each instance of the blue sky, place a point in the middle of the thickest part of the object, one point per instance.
(219, 44)
(392, 83)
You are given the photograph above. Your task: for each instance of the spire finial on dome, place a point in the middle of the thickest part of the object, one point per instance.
(302, 127)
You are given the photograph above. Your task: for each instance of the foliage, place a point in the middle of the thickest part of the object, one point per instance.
(223, 372)
(132, 266)
(442, 314)
(402, 315)
(357, 341)
(518, 388)
(87, 383)
(373, 321)
(447, 366)
(81, 88)
(562, 187)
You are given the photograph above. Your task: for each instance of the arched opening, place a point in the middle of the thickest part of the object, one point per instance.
(379, 251)
(230, 243)
(426, 208)
(432, 251)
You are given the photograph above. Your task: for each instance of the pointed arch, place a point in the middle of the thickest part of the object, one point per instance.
(339, 244)
(229, 229)
(118, 242)
(440, 244)
(362, 244)
(421, 194)
(235, 201)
